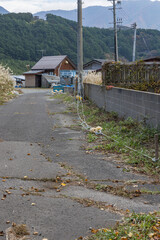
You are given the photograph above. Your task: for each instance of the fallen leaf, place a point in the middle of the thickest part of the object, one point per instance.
(35, 233)
(28, 154)
(94, 230)
(155, 229)
(130, 234)
(63, 184)
(3, 180)
(151, 235)
(11, 159)
(1, 233)
(106, 230)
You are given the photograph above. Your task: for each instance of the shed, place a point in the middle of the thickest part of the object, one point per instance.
(52, 66)
(33, 78)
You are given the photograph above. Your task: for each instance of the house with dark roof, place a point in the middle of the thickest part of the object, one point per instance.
(94, 65)
(152, 59)
(58, 66)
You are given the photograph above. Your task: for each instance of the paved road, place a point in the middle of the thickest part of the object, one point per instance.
(41, 148)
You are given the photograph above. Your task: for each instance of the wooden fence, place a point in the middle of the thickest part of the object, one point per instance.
(138, 76)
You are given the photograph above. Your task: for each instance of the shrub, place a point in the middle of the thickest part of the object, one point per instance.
(93, 78)
(6, 84)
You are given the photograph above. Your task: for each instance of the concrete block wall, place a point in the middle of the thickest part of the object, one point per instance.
(96, 94)
(127, 103)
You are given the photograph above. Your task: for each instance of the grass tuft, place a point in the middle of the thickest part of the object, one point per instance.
(21, 230)
(134, 227)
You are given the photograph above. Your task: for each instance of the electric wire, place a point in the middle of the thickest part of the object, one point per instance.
(88, 128)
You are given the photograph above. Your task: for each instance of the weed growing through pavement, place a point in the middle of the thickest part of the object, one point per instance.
(20, 230)
(134, 227)
(91, 137)
(120, 133)
(64, 97)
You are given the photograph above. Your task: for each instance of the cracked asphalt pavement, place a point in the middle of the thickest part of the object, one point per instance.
(47, 180)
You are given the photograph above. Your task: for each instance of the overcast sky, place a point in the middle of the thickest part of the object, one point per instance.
(43, 5)
(34, 6)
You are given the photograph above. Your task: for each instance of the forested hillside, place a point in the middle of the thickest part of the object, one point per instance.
(21, 38)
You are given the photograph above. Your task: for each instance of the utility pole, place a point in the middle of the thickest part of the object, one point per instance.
(134, 26)
(80, 49)
(42, 51)
(115, 27)
(115, 32)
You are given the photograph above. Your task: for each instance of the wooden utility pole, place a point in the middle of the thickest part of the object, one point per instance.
(114, 2)
(80, 49)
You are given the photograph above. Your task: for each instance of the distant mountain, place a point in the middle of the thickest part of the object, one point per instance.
(3, 10)
(144, 12)
(95, 16)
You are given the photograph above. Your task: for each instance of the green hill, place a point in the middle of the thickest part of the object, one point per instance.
(21, 38)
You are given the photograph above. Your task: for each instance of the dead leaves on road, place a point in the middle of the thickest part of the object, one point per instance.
(1, 233)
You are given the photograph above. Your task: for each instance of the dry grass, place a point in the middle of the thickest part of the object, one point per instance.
(6, 84)
(93, 78)
(21, 230)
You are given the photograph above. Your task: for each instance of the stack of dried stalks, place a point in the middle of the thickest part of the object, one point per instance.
(93, 78)
(6, 84)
